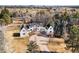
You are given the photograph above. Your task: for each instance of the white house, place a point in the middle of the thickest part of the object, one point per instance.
(50, 31)
(32, 27)
(23, 31)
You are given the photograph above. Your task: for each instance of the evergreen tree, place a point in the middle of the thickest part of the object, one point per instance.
(5, 11)
(32, 47)
(5, 16)
(7, 19)
(73, 41)
(58, 25)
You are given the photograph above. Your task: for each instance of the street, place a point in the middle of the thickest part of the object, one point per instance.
(1, 41)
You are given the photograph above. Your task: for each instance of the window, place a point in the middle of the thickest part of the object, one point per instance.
(31, 29)
(23, 33)
(50, 31)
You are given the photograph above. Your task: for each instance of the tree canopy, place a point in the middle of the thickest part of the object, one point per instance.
(5, 16)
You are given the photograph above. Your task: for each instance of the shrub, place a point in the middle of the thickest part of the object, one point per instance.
(16, 34)
(32, 47)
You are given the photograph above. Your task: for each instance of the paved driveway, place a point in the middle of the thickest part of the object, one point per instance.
(41, 42)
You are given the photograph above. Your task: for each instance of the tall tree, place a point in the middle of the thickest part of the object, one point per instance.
(58, 25)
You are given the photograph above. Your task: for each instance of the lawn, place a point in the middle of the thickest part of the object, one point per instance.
(19, 45)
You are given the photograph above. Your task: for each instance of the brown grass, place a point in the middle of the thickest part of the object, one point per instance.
(15, 44)
(57, 44)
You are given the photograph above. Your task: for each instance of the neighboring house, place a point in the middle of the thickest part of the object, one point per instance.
(50, 31)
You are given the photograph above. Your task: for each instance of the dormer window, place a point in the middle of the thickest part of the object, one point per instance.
(23, 30)
(50, 31)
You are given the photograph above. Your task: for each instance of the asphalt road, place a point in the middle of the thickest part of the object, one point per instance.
(1, 40)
